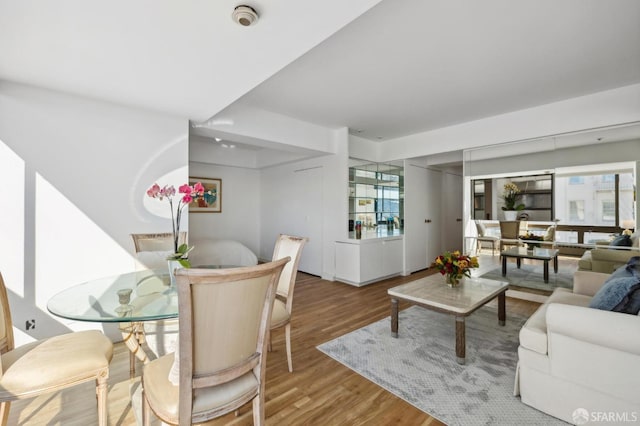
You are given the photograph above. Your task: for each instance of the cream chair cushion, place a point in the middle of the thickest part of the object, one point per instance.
(280, 313)
(46, 364)
(164, 396)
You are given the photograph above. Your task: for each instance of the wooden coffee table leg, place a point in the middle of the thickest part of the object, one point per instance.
(504, 265)
(502, 312)
(394, 317)
(460, 340)
(519, 262)
(555, 264)
(546, 271)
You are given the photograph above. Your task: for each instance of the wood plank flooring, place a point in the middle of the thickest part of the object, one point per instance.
(320, 391)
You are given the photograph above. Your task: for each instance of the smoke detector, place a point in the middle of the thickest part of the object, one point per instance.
(244, 15)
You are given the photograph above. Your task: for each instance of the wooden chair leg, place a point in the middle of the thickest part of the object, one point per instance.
(258, 410)
(269, 341)
(287, 333)
(101, 395)
(146, 410)
(4, 412)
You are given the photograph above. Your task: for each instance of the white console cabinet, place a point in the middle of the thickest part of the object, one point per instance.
(360, 262)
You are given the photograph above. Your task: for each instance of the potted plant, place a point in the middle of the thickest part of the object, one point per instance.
(510, 195)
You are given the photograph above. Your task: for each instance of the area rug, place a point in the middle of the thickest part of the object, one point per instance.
(420, 366)
(531, 276)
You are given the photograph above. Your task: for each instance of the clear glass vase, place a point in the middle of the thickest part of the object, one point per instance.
(453, 280)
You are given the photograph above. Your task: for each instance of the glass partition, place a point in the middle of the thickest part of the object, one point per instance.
(376, 195)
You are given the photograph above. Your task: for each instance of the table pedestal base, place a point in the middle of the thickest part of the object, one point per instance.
(133, 337)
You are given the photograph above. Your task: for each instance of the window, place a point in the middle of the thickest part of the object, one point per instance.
(576, 211)
(608, 211)
(576, 180)
(605, 199)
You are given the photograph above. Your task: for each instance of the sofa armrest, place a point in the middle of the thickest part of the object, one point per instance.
(587, 282)
(619, 255)
(612, 330)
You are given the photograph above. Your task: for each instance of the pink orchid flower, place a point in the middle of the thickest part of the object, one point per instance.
(168, 191)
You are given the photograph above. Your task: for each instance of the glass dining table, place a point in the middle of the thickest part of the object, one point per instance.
(127, 299)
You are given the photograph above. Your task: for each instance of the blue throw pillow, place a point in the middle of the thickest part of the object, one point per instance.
(621, 241)
(631, 304)
(621, 291)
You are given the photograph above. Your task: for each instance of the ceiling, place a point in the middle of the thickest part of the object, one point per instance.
(384, 69)
(411, 66)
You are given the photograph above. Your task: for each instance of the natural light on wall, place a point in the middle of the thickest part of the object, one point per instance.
(12, 172)
(69, 248)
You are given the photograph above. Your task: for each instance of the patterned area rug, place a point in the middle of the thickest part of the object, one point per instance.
(420, 366)
(531, 276)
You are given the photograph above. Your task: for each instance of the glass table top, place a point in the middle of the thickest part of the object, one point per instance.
(135, 296)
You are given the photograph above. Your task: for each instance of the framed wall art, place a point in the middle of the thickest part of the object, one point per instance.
(212, 200)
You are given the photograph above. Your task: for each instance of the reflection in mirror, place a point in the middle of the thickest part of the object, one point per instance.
(376, 195)
(585, 182)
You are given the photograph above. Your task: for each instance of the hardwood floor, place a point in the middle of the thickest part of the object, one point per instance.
(320, 391)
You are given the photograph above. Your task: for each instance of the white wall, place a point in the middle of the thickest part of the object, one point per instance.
(75, 172)
(281, 211)
(240, 216)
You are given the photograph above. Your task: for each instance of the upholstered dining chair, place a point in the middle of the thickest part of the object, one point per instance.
(220, 363)
(286, 245)
(51, 364)
(484, 238)
(151, 252)
(152, 249)
(509, 233)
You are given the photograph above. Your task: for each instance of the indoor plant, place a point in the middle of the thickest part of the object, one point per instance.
(510, 195)
(455, 266)
(188, 195)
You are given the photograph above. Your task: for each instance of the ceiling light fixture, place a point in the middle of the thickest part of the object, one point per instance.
(244, 15)
(218, 139)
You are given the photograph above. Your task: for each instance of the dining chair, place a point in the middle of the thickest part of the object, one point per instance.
(220, 363)
(509, 233)
(51, 364)
(151, 252)
(484, 238)
(286, 245)
(152, 243)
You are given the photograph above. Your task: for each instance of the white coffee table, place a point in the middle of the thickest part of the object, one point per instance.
(433, 293)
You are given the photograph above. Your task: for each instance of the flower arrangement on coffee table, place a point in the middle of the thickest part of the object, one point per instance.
(531, 240)
(455, 265)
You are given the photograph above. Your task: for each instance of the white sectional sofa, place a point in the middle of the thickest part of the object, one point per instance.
(572, 356)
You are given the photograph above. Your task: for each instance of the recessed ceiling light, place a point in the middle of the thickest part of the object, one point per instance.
(218, 139)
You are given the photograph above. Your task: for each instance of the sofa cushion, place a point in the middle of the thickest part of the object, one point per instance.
(533, 335)
(584, 264)
(621, 241)
(620, 293)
